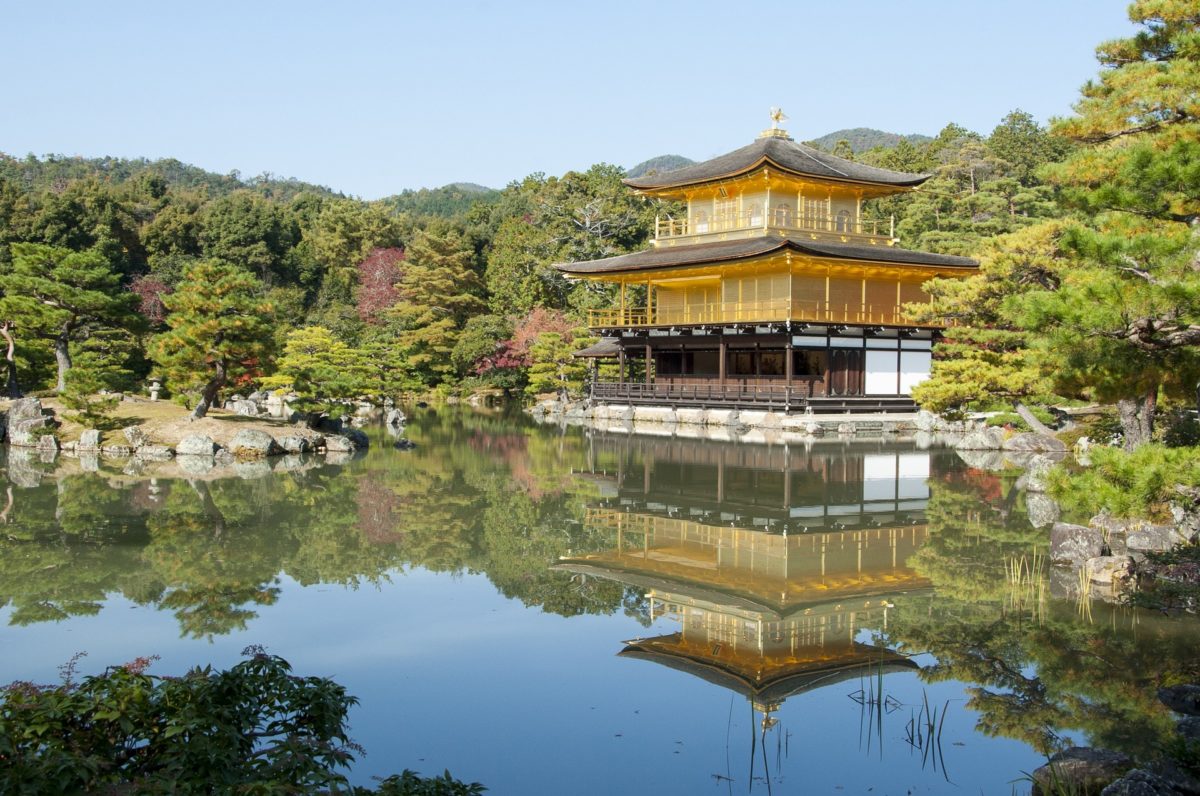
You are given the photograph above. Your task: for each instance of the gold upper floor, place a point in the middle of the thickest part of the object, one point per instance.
(767, 202)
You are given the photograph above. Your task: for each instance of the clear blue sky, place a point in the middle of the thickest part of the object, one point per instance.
(372, 98)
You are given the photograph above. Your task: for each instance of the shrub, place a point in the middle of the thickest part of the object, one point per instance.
(1137, 484)
(255, 728)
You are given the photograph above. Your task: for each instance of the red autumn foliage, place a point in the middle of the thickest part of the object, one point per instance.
(377, 279)
(514, 353)
(150, 291)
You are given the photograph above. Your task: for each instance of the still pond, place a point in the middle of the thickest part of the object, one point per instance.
(563, 611)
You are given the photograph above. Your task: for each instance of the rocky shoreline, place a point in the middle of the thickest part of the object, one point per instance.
(30, 430)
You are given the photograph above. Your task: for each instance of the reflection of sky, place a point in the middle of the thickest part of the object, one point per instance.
(452, 675)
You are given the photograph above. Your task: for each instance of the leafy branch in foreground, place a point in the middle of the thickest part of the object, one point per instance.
(255, 728)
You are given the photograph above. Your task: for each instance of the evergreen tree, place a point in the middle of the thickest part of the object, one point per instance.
(219, 328)
(59, 296)
(322, 370)
(439, 291)
(1125, 323)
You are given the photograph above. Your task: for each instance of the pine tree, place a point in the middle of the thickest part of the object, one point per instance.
(439, 291)
(321, 369)
(1125, 322)
(59, 296)
(219, 328)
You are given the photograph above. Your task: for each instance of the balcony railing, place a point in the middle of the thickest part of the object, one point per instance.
(755, 312)
(786, 221)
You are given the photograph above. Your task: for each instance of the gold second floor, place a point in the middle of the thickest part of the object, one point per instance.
(783, 288)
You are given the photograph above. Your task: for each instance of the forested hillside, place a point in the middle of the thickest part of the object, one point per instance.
(860, 139)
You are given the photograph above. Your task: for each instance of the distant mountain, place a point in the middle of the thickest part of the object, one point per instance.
(53, 172)
(658, 165)
(863, 138)
(449, 201)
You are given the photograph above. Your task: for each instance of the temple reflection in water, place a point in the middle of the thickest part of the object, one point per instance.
(770, 559)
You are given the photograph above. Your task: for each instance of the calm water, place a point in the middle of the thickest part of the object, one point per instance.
(558, 612)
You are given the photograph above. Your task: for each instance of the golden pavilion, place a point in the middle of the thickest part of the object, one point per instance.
(771, 290)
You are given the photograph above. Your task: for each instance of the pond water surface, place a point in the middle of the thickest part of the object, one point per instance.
(558, 611)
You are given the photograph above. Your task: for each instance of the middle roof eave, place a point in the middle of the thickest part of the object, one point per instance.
(747, 248)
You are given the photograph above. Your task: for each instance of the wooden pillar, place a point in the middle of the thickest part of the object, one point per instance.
(723, 348)
(648, 361)
(789, 371)
(621, 360)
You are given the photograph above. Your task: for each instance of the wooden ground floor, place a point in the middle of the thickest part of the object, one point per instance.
(838, 369)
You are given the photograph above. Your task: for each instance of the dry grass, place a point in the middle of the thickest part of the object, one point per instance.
(166, 423)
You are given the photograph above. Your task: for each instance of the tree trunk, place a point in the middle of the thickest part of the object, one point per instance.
(1137, 419)
(62, 355)
(209, 395)
(1032, 420)
(11, 387)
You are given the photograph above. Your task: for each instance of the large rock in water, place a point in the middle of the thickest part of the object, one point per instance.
(136, 437)
(196, 445)
(1074, 544)
(1080, 770)
(358, 439)
(24, 417)
(1153, 539)
(250, 443)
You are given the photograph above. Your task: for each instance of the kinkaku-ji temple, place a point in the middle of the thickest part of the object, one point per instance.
(770, 559)
(771, 290)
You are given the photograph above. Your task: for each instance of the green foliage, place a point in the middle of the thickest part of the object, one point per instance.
(218, 330)
(553, 368)
(1125, 322)
(862, 139)
(322, 370)
(87, 407)
(452, 201)
(542, 220)
(1018, 422)
(56, 297)
(1135, 484)
(255, 728)
(439, 291)
(985, 355)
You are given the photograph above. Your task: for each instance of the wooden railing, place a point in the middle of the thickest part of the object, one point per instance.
(778, 396)
(788, 221)
(755, 312)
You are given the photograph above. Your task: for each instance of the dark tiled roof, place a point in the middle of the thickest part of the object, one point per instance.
(605, 347)
(745, 248)
(785, 155)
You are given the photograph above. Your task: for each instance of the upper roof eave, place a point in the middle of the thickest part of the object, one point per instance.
(783, 154)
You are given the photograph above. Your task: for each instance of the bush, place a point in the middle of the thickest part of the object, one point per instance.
(1138, 484)
(254, 728)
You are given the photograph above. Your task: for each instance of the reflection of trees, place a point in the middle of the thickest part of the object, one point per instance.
(214, 562)
(1038, 670)
(56, 560)
(212, 551)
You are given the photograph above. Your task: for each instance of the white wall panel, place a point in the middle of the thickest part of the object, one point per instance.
(914, 369)
(881, 373)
